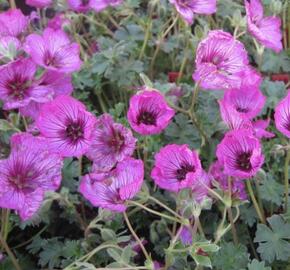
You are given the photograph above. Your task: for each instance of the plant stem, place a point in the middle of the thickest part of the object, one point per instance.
(146, 38)
(286, 179)
(199, 226)
(12, 4)
(192, 115)
(10, 253)
(183, 63)
(230, 213)
(155, 212)
(165, 207)
(136, 237)
(233, 227)
(91, 254)
(256, 205)
(159, 42)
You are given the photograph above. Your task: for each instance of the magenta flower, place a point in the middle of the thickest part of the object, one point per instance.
(66, 124)
(111, 190)
(13, 23)
(232, 118)
(282, 115)
(237, 186)
(176, 167)
(250, 77)
(240, 152)
(260, 131)
(265, 29)
(97, 5)
(186, 236)
(58, 22)
(112, 143)
(219, 60)
(149, 113)
(59, 83)
(187, 8)
(38, 3)
(17, 88)
(29, 171)
(247, 101)
(54, 51)
(200, 187)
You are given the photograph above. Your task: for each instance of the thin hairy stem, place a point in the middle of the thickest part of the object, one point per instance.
(256, 205)
(136, 237)
(286, 179)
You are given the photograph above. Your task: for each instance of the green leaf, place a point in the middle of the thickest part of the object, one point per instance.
(108, 235)
(272, 240)
(271, 190)
(5, 125)
(275, 62)
(256, 265)
(115, 254)
(202, 260)
(248, 214)
(274, 91)
(231, 257)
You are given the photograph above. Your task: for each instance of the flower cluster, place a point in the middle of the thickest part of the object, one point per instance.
(35, 78)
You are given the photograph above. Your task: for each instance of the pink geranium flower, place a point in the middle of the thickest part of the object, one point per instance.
(149, 113)
(265, 29)
(250, 77)
(260, 131)
(97, 5)
(39, 3)
(237, 186)
(187, 8)
(111, 190)
(176, 167)
(13, 23)
(240, 153)
(60, 84)
(17, 85)
(29, 171)
(219, 61)
(200, 187)
(112, 143)
(282, 115)
(247, 101)
(58, 22)
(68, 127)
(54, 51)
(232, 118)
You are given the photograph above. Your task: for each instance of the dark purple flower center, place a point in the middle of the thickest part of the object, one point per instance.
(183, 170)
(242, 110)
(50, 60)
(22, 177)
(147, 118)
(117, 141)
(74, 131)
(85, 2)
(18, 87)
(243, 161)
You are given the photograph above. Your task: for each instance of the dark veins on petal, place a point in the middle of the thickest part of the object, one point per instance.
(287, 123)
(183, 170)
(243, 161)
(117, 141)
